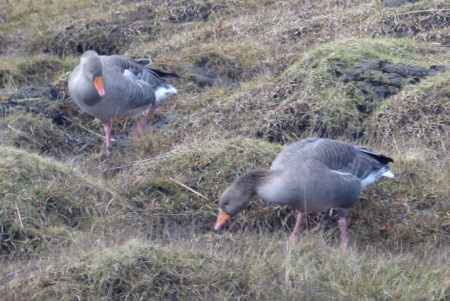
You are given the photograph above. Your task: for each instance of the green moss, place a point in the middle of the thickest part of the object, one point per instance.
(332, 58)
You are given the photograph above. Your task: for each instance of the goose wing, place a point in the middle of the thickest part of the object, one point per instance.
(338, 156)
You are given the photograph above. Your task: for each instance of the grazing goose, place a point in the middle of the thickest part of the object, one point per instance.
(311, 175)
(117, 86)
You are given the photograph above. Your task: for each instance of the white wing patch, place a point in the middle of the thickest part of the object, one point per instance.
(368, 180)
(161, 92)
(389, 174)
(375, 175)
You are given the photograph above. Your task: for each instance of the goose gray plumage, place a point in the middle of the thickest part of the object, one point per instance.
(117, 86)
(311, 175)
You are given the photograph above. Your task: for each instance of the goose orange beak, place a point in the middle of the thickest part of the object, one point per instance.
(221, 219)
(98, 83)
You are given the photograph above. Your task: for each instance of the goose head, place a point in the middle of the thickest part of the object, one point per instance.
(92, 68)
(238, 195)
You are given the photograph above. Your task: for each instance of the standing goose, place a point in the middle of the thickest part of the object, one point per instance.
(117, 86)
(311, 175)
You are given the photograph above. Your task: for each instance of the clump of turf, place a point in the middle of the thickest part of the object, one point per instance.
(33, 69)
(420, 113)
(39, 195)
(31, 132)
(310, 98)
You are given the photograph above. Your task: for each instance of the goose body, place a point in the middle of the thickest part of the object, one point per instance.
(117, 86)
(311, 175)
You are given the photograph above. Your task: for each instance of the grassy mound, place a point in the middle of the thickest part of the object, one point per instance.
(412, 209)
(310, 97)
(40, 196)
(246, 269)
(159, 188)
(105, 36)
(31, 133)
(136, 270)
(421, 114)
(32, 70)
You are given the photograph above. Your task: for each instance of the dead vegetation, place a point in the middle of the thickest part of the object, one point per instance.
(135, 222)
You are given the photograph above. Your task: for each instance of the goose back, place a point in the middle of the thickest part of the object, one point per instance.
(334, 155)
(130, 84)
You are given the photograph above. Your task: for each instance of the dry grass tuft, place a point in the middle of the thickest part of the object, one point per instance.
(105, 36)
(420, 113)
(423, 22)
(141, 270)
(414, 208)
(31, 133)
(39, 195)
(241, 268)
(32, 70)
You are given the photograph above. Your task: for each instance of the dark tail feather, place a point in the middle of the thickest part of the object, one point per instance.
(143, 62)
(161, 73)
(381, 158)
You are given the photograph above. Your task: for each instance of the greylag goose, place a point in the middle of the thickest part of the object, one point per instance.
(117, 86)
(311, 175)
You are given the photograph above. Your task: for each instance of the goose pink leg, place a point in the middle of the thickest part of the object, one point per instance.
(107, 128)
(143, 120)
(343, 227)
(298, 224)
